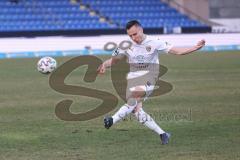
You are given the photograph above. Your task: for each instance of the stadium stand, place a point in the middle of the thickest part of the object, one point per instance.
(97, 22)
(151, 13)
(52, 15)
(46, 15)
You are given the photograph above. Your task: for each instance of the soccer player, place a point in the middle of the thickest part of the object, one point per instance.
(143, 58)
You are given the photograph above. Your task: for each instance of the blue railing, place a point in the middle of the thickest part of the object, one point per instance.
(32, 54)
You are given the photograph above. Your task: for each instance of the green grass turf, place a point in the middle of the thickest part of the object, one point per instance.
(202, 112)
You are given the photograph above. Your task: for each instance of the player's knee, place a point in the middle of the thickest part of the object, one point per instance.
(132, 102)
(138, 94)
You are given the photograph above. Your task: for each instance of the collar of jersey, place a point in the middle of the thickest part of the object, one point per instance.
(143, 42)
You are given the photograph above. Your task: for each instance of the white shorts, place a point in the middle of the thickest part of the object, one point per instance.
(144, 82)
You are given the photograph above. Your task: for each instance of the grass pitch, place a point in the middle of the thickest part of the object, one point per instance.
(202, 112)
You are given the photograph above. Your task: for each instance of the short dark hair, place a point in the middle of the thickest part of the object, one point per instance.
(132, 23)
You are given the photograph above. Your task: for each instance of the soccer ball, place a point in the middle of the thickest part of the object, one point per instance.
(46, 65)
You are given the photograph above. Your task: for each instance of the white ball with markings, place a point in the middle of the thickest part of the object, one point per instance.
(46, 65)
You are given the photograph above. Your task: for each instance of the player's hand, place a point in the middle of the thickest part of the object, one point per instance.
(101, 69)
(200, 44)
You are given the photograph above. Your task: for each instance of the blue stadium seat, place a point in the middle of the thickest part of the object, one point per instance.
(35, 15)
(154, 10)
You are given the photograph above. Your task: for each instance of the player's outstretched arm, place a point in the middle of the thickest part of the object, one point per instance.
(106, 64)
(183, 51)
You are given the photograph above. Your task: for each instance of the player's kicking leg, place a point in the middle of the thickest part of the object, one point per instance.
(135, 105)
(121, 113)
(148, 121)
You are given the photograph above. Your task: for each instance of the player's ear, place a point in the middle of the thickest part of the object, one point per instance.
(141, 30)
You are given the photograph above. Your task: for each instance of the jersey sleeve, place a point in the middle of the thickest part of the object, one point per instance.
(163, 47)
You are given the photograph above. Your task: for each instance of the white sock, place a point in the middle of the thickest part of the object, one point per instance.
(147, 120)
(122, 112)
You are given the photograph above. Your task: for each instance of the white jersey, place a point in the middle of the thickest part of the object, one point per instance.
(143, 56)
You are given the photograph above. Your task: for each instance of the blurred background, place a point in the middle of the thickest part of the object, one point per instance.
(32, 28)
